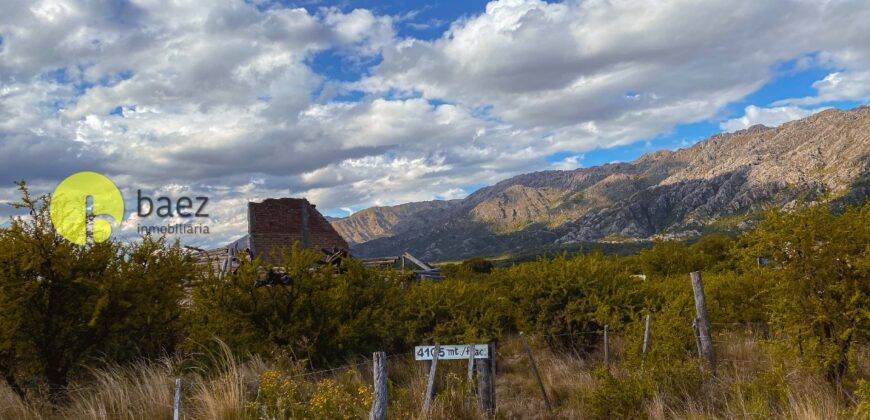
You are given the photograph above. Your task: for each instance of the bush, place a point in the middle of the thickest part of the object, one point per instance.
(478, 265)
(618, 398)
(64, 306)
(569, 298)
(862, 394)
(283, 397)
(323, 315)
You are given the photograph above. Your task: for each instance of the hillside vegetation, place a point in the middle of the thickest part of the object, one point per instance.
(102, 331)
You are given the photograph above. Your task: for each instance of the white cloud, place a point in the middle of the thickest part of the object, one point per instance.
(771, 117)
(223, 97)
(568, 163)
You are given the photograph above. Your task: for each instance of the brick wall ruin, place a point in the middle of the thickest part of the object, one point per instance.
(278, 222)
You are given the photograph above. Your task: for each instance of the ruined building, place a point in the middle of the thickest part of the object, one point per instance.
(275, 224)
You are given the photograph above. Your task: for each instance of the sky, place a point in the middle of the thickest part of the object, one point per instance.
(370, 103)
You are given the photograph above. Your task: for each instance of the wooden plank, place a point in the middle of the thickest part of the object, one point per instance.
(421, 264)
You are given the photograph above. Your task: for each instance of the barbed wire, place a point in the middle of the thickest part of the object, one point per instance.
(367, 361)
(324, 371)
(598, 332)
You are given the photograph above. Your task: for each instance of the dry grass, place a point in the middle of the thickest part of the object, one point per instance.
(139, 391)
(145, 390)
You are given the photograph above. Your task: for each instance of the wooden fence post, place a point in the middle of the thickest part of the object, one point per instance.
(535, 371)
(470, 362)
(697, 337)
(606, 348)
(645, 342)
(176, 407)
(486, 382)
(697, 342)
(430, 386)
(704, 332)
(379, 373)
(492, 368)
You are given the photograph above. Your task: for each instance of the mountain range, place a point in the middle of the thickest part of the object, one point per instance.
(721, 183)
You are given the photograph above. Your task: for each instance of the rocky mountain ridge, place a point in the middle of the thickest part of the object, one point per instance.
(711, 185)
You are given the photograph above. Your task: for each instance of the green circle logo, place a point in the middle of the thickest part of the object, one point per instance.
(68, 207)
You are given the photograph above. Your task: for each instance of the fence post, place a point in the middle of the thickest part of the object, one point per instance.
(704, 332)
(176, 407)
(535, 371)
(697, 342)
(470, 362)
(486, 382)
(379, 372)
(430, 386)
(645, 341)
(492, 368)
(606, 346)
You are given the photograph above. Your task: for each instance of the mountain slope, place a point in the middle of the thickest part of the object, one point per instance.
(714, 184)
(378, 222)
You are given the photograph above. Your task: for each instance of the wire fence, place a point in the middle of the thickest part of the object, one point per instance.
(615, 334)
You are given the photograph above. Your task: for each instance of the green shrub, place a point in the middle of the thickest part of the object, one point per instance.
(65, 306)
(566, 299)
(765, 396)
(477, 265)
(283, 397)
(618, 398)
(820, 274)
(862, 395)
(323, 315)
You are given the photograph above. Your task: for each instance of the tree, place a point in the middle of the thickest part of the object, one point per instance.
(820, 265)
(478, 265)
(63, 305)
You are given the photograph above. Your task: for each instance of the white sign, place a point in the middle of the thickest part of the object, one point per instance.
(451, 352)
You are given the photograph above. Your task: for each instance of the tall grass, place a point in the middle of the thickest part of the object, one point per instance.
(752, 383)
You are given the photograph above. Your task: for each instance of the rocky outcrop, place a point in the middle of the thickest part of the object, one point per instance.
(717, 183)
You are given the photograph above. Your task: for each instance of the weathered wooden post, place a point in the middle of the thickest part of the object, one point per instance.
(470, 362)
(606, 348)
(537, 375)
(704, 333)
(176, 407)
(492, 368)
(430, 386)
(486, 382)
(697, 342)
(645, 340)
(379, 372)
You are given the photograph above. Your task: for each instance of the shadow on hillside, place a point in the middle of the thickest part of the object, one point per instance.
(682, 206)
